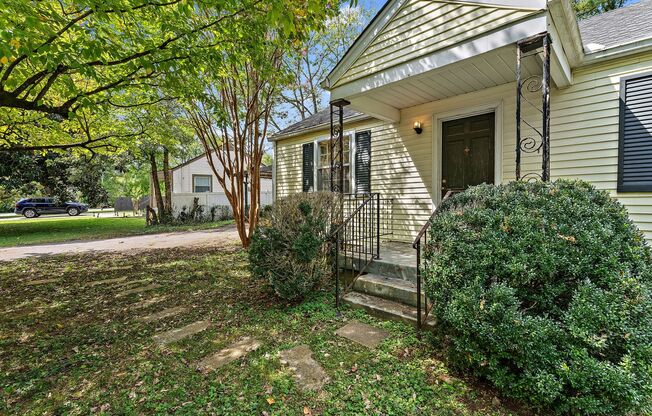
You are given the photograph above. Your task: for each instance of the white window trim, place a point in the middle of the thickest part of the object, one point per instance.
(439, 118)
(199, 175)
(352, 152)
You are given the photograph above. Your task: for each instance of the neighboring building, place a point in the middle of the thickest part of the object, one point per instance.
(195, 179)
(451, 66)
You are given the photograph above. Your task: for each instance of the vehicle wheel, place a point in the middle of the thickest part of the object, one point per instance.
(30, 213)
(73, 212)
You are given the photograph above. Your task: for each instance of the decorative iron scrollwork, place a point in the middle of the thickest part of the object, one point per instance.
(537, 139)
(533, 83)
(336, 156)
(531, 177)
(530, 145)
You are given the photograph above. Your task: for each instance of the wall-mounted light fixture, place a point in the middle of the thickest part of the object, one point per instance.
(417, 127)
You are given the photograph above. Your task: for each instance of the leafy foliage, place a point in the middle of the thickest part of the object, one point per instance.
(545, 290)
(64, 62)
(290, 250)
(587, 8)
(63, 175)
(310, 62)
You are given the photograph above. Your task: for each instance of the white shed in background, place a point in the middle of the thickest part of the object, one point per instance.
(195, 179)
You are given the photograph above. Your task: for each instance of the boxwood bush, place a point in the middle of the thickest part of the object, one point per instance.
(544, 289)
(289, 248)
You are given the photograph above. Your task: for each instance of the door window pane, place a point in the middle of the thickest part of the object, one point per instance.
(201, 183)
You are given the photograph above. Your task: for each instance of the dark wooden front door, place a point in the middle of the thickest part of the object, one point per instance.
(467, 152)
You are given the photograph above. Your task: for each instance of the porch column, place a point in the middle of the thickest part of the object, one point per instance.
(336, 153)
(538, 138)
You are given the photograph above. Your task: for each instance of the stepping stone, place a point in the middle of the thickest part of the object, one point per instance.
(107, 281)
(308, 374)
(166, 313)
(136, 290)
(364, 334)
(41, 282)
(148, 302)
(229, 354)
(181, 333)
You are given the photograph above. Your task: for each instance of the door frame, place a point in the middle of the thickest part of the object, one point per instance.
(495, 107)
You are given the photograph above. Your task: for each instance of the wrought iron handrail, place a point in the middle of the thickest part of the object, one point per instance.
(357, 238)
(423, 235)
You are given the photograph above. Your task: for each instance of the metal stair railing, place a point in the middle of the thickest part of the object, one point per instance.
(420, 241)
(356, 240)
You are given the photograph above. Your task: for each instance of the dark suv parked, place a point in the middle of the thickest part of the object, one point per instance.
(33, 207)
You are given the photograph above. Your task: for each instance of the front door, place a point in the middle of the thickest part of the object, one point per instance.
(467, 152)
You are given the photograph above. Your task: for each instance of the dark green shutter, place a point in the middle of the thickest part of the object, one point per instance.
(308, 167)
(635, 144)
(363, 162)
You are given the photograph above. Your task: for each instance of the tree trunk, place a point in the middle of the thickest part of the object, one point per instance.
(157, 187)
(150, 216)
(168, 182)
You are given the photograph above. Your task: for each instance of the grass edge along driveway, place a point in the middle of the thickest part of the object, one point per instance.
(57, 230)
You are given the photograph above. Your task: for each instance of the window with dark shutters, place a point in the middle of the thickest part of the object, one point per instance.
(308, 178)
(635, 146)
(363, 162)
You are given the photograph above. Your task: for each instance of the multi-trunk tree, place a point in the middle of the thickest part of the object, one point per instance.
(231, 108)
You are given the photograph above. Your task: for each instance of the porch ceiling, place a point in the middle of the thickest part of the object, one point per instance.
(477, 73)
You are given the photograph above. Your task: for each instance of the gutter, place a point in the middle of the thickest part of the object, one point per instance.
(617, 51)
(563, 18)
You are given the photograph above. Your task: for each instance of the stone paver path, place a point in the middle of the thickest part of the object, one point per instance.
(165, 313)
(136, 290)
(148, 302)
(307, 372)
(178, 334)
(229, 354)
(364, 334)
(132, 244)
(107, 281)
(41, 282)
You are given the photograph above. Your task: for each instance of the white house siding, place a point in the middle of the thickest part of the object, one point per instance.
(423, 26)
(584, 131)
(402, 161)
(584, 144)
(182, 187)
(182, 177)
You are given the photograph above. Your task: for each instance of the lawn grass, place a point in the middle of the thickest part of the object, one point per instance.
(55, 230)
(70, 348)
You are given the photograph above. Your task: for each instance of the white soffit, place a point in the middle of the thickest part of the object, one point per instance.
(497, 39)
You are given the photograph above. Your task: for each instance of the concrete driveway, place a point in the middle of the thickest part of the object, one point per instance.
(135, 243)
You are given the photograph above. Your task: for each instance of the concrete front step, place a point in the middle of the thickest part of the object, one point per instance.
(384, 308)
(385, 267)
(389, 288)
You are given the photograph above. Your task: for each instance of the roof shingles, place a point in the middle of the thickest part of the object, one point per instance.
(320, 118)
(624, 25)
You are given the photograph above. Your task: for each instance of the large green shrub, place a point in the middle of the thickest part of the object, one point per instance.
(544, 289)
(289, 247)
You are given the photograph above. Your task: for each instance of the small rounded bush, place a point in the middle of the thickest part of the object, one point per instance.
(544, 289)
(289, 247)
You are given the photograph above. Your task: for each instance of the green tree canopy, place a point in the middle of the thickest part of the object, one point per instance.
(60, 59)
(586, 8)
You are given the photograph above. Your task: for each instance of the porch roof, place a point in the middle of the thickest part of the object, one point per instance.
(418, 51)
